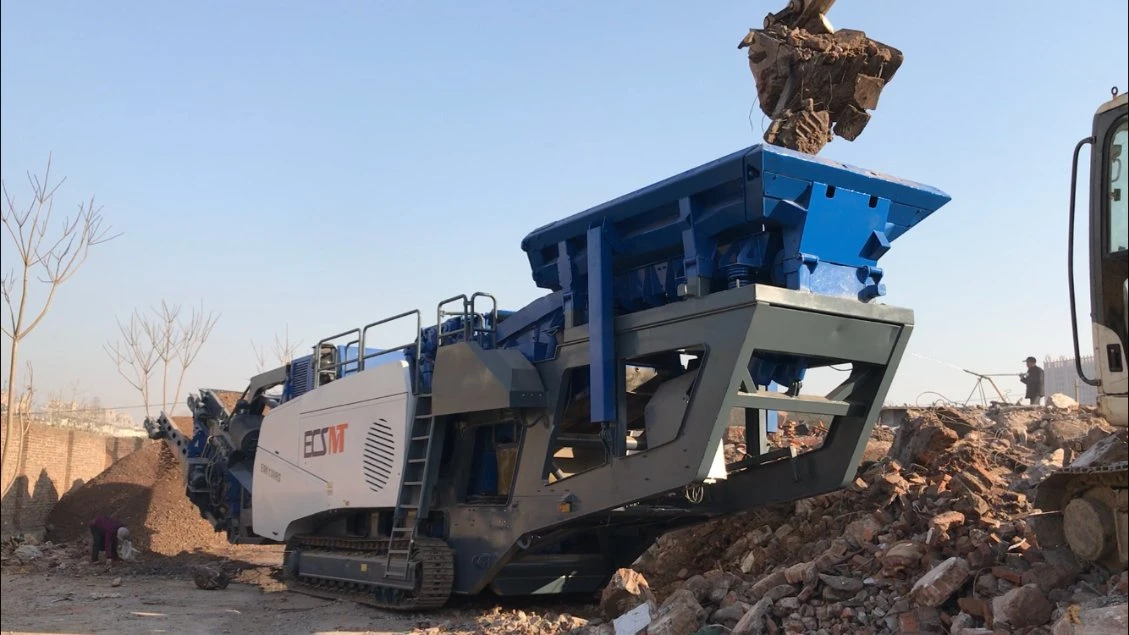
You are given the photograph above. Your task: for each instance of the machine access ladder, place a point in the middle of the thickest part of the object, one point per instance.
(425, 434)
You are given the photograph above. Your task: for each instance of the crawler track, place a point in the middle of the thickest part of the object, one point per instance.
(432, 562)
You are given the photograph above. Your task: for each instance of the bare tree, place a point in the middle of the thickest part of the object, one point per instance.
(284, 350)
(134, 356)
(53, 259)
(163, 338)
(260, 356)
(193, 334)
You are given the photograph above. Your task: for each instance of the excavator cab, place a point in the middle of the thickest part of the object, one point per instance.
(1108, 257)
(1085, 504)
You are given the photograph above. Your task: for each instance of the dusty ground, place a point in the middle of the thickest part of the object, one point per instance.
(154, 604)
(58, 592)
(157, 595)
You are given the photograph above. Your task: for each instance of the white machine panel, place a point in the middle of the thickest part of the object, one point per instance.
(339, 446)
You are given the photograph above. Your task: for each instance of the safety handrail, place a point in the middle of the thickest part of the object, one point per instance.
(492, 328)
(318, 368)
(1070, 263)
(418, 344)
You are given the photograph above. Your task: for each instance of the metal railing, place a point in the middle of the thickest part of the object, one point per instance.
(418, 344)
(471, 330)
(475, 327)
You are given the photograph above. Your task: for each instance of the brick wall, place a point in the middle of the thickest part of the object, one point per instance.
(55, 460)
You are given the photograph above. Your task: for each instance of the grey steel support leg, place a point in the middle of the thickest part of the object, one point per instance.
(730, 326)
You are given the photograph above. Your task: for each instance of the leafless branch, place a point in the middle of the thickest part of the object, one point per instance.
(134, 356)
(192, 336)
(48, 260)
(260, 357)
(283, 350)
(165, 337)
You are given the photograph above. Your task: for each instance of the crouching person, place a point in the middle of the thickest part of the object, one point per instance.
(106, 534)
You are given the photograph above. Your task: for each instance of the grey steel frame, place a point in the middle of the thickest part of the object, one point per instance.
(490, 541)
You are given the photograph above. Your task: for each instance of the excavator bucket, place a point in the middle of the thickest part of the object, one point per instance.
(815, 82)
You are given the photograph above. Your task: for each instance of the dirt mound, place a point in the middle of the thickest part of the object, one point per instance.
(144, 490)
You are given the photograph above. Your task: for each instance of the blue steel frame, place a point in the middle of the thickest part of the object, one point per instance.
(760, 215)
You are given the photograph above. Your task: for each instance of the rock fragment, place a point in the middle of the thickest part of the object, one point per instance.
(1022, 607)
(626, 590)
(937, 586)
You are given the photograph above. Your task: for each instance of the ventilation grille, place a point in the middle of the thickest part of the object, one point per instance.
(380, 455)
(300, 376)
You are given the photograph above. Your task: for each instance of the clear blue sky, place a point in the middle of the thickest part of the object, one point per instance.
(324, 164)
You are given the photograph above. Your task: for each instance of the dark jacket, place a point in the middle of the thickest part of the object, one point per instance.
(1034, 381)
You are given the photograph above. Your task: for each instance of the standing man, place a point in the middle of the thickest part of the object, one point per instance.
(105, 533)
(1033, 378)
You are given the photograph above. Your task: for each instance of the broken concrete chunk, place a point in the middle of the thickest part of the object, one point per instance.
(28, 553)
(1050, 576)
(1106, 620)
(680, 614)
(867, 90)
(761, 536)
(946, 520)
(851, 123)
(1022, 607)
(1059, 400)
(699, 586)
(634, 621)
(923, 440)
(902, 555)
(780, 591)
(799, 572)
(805, 129)
(863, 531)
(753, 621)
(748, 562)
(842, 583)
(937, 586)
(730, 615)
(767, 583)
(626, 590)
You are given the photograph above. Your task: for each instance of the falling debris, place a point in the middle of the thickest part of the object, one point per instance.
(815, 82)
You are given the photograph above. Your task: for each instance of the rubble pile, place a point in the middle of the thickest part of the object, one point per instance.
(26, 550)
(931, 537)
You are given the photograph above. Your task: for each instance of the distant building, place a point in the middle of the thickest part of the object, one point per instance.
(1061, 376)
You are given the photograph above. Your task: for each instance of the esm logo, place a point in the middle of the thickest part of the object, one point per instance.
(323, 441)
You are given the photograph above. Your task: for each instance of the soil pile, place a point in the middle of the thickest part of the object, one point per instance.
(145, 490)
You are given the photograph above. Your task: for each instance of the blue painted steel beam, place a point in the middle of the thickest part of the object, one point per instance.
(762, 214)
(601, 325)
